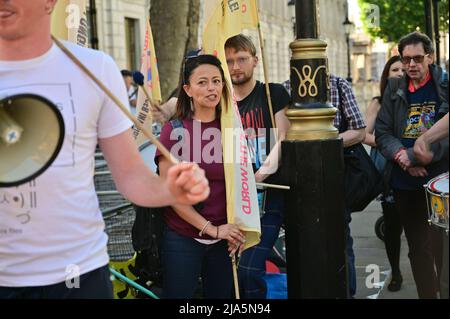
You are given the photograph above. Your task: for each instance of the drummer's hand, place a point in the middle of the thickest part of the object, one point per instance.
(188, 184)
(260, 177)
(417, 171)
(422, 151)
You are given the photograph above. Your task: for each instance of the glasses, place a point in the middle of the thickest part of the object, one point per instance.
(417, 59)
(240, 61)
(191, 55)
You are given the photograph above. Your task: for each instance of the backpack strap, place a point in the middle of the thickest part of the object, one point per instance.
(177, 124)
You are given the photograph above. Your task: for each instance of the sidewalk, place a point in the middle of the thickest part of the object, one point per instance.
(371, 259)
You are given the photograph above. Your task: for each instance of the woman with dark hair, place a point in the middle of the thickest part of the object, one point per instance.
(393, 227)
(196, 239)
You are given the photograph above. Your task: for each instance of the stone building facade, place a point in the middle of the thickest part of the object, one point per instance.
(121, 25)
(120, 28)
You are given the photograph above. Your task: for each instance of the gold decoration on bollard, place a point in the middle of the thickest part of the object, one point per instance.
(306, 79)
(311, 123)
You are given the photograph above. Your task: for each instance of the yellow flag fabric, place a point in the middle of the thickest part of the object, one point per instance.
(69, 21)
(149, 68)
(229, 18)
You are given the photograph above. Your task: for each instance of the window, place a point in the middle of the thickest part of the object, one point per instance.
(132, 43)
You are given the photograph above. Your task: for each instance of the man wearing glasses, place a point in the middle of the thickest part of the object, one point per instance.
(411, 105)
(265, 147)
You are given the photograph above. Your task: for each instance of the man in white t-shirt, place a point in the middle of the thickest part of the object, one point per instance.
(131, 89)
(51, 229)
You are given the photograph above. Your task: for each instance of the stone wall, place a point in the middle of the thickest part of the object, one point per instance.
(276, 24)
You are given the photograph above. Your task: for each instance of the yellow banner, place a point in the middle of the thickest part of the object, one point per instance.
(228, 19)
(149, 68)
(69, 21)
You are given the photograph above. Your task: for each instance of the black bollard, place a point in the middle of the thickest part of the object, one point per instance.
(312, 163)
(315, 241)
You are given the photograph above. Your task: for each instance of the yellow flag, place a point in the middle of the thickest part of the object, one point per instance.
(229, 18)
(69, 21)
(149, 68)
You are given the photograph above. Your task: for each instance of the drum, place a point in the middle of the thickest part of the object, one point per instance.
(437, 200)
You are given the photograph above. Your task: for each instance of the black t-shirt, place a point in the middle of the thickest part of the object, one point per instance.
(255, 116)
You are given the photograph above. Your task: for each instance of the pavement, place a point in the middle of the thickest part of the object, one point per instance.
(372, 266)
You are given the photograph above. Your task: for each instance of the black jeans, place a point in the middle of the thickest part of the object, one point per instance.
(392, 235)
(424, 241)
(252, 265)
(92, 285)
(185, 260)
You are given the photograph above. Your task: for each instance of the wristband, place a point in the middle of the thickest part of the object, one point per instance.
(203, 229)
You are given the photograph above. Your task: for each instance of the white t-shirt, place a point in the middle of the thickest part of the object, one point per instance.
(132, 96)
(52, 226)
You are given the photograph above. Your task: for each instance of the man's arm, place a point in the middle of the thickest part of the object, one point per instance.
(272, 161)
(355, 133)
(371, 116)
(422, 145)
(437, 131)
(185, 183)
(352, 137)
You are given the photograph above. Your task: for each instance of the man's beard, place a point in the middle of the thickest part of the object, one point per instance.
(242, 80)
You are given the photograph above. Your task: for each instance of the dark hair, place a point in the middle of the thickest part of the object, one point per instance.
(126, 73)
(184, 101)
(241, 42)
(415, 38)
(385, 74)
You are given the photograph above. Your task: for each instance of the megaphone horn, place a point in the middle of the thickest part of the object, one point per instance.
(10, 131)
(31, 136)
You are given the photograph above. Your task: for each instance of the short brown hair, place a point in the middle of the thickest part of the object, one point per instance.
(241, 42)
(416, 38)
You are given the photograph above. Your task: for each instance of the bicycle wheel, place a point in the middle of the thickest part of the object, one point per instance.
(380, 228)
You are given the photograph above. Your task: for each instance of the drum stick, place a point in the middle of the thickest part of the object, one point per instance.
(273, 186)
(122, 107)
(138, 78)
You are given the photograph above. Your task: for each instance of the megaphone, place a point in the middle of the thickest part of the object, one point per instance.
(31, 136)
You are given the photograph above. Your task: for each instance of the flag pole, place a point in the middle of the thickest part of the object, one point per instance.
(235, 277)
(266, 73)
(122, 107)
